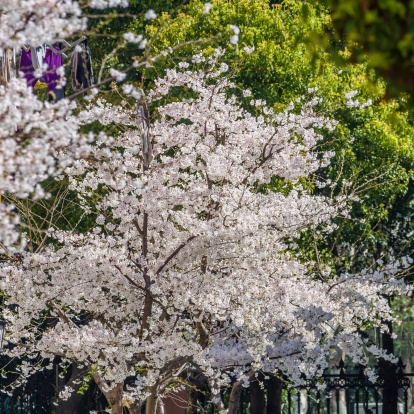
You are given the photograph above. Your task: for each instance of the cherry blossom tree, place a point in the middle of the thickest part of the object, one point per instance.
(190, 263)
(37, 139)
(33, 134)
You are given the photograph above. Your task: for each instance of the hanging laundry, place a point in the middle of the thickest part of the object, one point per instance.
(81, 67)
(50, 75)
(38, 55)
(7, 66)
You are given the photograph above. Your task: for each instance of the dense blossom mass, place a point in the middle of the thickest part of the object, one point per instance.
(34, 22)
(37, 139)
(188, 265)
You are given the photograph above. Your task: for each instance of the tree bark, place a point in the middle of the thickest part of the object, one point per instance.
(161, 408)
(407, 369)
(257, 396)
(115, 398)
(192, 399)
(70, 405)
(151, 405)
(235, 395)
(274, 395)
(218, 401)
(135, 409)
(390, 396)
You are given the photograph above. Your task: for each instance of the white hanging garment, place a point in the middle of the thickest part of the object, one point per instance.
(38, 54)
(7, 66)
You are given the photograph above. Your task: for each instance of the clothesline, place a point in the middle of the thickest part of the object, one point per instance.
(34, 59)
(67, 47)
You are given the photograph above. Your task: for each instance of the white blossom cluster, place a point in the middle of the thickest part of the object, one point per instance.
(35, 22)
(32, 132)
(103, 4)
(188, 264)
(37, 140)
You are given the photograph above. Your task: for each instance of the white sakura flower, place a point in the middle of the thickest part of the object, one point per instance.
(60, 71)
(207, 7)
(110, 226)
(119, 76)
(198, 58)
(351, 94)
(100, 219)
(224, 68)
(132, 37)
(235, 29)
(143, 44)
(234, 40)
(103, 4)
(38, 73)
(150, 15)
(247, 93)
(136, 94)
(249, 50)
(367, 103)
(127, 88)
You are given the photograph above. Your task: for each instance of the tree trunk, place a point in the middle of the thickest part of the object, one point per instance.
(151, 405)
(390, 396)
(274, 395)
(401, 394)
(192, 398)
(257, 396)
(409, 391)
(115, 398)
(70, 405)
(235, 395)
(135, 409)
(216, 397)
(161, 408)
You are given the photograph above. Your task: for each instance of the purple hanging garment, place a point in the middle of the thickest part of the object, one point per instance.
(27, 68)
(49, 75)
(53, 63)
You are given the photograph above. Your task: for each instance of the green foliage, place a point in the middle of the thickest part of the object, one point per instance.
(374, 146)
(404, 345)
(381, 30)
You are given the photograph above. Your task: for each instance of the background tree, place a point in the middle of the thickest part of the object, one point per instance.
(379, 32)
(167, 279)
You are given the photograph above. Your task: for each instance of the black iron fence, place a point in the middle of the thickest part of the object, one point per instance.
(351, 393)
(39, 396)
(339, 392)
